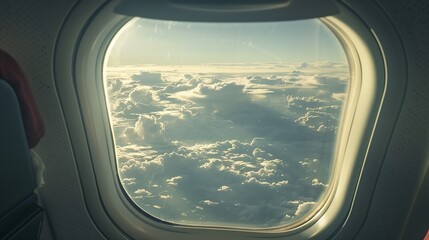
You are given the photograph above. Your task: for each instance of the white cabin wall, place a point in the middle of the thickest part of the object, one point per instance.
(394, 212)
(28, 31)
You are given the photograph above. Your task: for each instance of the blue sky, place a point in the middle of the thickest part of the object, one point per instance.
(146, 41)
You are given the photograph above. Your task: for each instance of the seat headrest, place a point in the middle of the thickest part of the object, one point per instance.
(11, 72)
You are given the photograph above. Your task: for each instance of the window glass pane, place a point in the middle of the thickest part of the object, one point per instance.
(226, 124)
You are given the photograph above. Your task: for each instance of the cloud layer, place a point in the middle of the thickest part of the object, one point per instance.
(241, 148)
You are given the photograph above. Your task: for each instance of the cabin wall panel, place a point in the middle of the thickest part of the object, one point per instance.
(406, 159)
(28, 31)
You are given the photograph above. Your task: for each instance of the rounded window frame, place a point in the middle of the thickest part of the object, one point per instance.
(93, 142)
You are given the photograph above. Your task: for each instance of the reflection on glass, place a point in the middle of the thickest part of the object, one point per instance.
(226, 124)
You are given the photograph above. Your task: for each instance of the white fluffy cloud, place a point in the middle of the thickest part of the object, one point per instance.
(304, 208)
(147, 130)
(147, 78)
(242, 148)
(318, 121)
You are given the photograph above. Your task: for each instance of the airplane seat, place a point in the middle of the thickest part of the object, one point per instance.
(20, 216)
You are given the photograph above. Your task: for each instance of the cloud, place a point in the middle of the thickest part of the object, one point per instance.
(272, 80)
(147, 78)
(214, 96)
(224, 189)
(302, 103)
(318, 121)
(339, 96)
(142, 191)
(327, 65)
(165, 196)
(316, 182)
(304, 208)
(128, 181)
(250, 148)
(187, 82)
(209, 203)
(147, 130)
(173, 181)
(114, 85)
(142, 95)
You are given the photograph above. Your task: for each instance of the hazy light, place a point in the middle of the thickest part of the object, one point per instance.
(160, 42)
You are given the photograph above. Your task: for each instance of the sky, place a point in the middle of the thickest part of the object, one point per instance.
(145, 41)
(226, 124)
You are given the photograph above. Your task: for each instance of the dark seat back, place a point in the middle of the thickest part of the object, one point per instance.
(20, 217)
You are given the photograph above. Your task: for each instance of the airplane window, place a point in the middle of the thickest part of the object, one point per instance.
(226, 124)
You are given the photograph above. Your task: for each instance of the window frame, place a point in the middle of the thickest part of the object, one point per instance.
(86, 115)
